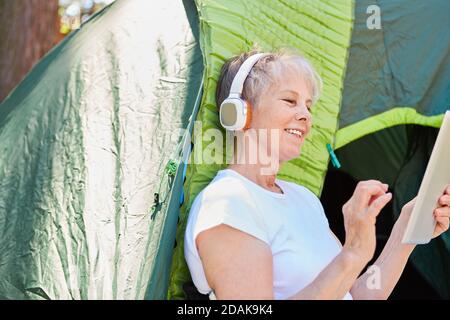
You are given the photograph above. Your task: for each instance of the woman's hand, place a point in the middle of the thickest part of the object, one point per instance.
(360, 213)
(441, 213)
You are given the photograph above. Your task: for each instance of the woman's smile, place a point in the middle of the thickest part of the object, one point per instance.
(298, 134)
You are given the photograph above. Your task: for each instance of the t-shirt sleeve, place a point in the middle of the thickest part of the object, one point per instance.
(239, 212)
(227, 203)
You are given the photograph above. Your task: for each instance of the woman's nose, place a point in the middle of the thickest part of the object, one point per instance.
(303, 114)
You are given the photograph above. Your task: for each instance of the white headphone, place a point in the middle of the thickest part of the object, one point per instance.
(236, 113)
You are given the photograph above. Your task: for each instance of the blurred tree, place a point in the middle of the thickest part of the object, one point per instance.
(28, 30)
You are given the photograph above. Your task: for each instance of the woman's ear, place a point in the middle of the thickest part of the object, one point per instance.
(249, 116)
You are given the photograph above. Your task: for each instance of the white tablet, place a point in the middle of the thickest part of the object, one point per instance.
(437, 176)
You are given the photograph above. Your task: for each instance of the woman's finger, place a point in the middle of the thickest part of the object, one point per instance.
(378, 204)
(444, 200)
(376, 182)
(365, 192)
(443, 222)
(442, 212)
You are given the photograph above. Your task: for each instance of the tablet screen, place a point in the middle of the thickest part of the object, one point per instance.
(422, 223)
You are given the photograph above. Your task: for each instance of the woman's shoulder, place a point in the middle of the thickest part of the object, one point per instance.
(226, 200)
(226, 185)
(224, 189)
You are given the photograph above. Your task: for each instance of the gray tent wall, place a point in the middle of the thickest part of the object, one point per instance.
(85, 140)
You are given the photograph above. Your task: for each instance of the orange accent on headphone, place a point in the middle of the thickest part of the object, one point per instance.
(249, 116)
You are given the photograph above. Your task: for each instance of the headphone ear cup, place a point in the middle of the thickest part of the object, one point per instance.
(229, 112)
(233, 114)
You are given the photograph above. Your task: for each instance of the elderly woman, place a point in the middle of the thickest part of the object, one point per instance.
(253, 236)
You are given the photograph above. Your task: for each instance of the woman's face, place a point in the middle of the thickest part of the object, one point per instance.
(286, 107)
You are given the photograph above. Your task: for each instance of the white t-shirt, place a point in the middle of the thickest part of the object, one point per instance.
(292, 224)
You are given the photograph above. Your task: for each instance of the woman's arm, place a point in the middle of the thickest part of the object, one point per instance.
(378, 283)
(237, 265)
(389, 266)
(335, 280)
(360, 214)
(240, 266)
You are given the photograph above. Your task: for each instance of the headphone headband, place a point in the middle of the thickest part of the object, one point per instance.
(236, 113)
(242, 74)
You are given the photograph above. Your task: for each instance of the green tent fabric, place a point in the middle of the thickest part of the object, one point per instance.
(85, 140)
(92, 159)
(399, 73)
(374, 79)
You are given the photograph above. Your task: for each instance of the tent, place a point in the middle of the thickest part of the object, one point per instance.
(87, 141)
(94, 183)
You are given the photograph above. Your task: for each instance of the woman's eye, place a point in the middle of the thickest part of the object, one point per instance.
(291, 102)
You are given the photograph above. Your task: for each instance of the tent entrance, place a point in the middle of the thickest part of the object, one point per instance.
(397, 156)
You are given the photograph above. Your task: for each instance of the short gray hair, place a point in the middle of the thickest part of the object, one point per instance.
(264, 73)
